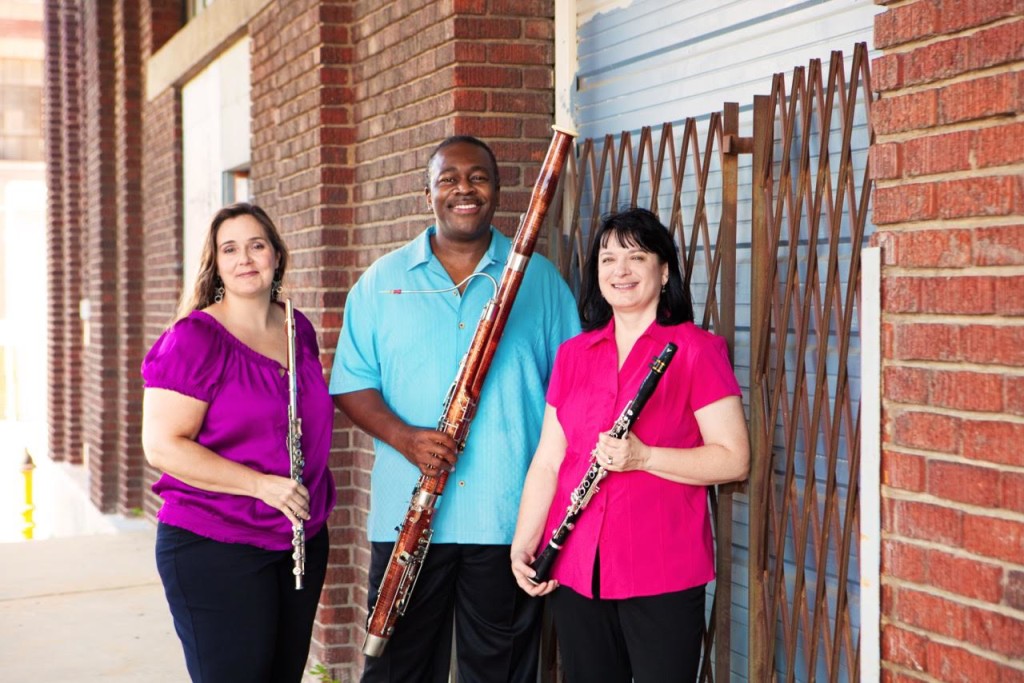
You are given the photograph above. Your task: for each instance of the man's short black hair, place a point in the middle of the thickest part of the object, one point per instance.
(468, 139)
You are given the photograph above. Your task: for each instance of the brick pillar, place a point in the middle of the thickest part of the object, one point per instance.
(161, 212)
(949, 206)
(64, 219)
(53, 126)
(97, 399)
(129, 259)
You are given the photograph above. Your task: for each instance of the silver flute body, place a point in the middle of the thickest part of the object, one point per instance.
(297, 462)
(588, 486)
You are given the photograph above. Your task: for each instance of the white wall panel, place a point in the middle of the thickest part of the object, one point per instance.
(216, 138)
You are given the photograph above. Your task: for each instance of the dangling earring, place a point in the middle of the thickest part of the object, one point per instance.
(218, 293)
(275, 290)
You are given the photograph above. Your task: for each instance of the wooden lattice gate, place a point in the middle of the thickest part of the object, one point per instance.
(769, 229)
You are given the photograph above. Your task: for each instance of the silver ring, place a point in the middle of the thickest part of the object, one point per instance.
(610, 460)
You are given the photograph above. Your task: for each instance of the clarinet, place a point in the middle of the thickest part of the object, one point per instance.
(587, 488)
(459, 407)
(297, 462)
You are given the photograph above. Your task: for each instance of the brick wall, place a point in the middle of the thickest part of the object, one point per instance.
(53, 123)
(161, 212)
(63, 98)
(129, 262)
(100, 379)
(949, 206)
(162, 215)
(95, 148)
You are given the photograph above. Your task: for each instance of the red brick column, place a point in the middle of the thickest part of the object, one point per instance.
(53, 123)
(129, 264)
(65, 259)
(162, 215)
(161, 212)
(949, 207)
(100, 380)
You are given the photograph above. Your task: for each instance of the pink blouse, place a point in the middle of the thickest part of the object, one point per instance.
(654, 535)
(246, 421)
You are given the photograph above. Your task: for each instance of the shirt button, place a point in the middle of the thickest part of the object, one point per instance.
(462, 326)
(462, 483)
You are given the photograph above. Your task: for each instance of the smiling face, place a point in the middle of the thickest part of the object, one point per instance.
(462, 191)
(630, 278)
(246, 260)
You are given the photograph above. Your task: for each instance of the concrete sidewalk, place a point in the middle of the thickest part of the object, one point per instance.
(86, 608)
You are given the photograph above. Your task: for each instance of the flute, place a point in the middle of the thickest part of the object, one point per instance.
(296, 461)
(459, 407)
(588, 487)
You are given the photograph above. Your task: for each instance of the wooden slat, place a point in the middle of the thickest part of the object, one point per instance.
(803, 323)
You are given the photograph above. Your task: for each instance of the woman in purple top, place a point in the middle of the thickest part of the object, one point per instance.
(215, 422)
(627, 588)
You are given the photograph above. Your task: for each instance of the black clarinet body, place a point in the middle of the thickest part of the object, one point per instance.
(588, 487)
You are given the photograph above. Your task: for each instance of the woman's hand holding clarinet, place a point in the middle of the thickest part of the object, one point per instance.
(622, 455)
(613, 454)
(521, 570)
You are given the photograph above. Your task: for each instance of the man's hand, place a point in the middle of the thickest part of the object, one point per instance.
(429, 450)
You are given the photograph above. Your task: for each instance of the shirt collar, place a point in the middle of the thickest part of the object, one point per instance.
(659, 333)
(421, 252)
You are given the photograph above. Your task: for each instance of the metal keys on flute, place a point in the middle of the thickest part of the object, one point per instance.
(297, 462)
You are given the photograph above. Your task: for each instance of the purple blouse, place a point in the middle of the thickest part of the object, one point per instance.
(246, 421)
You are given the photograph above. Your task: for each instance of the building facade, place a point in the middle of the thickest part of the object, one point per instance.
(324, 112)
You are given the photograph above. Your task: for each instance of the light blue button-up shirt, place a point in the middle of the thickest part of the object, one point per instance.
(408, 346)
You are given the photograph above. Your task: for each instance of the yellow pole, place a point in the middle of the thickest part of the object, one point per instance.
(26, 471)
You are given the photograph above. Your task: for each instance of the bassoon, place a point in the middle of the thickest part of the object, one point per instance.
(296, 460)
(582, 494)
(460, 405)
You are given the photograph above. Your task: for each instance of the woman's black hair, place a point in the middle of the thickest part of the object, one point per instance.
(641, 228)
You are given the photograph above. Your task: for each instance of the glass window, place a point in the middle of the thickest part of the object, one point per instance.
(197, 6)
(21, 110)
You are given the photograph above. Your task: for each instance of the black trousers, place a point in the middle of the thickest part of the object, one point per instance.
(497, 625)
(235, 606)
(654, 639)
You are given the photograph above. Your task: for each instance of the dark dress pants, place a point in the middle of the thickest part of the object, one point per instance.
(235, 606)
(655, 639)
(497, 625)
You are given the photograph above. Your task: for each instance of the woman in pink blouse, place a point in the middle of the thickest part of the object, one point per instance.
(215, 422)
(627, 589)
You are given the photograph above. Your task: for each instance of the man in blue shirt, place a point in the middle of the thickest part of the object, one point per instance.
(396, 358)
